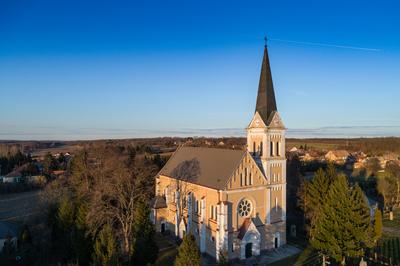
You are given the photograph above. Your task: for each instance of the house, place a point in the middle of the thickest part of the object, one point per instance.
(359, 165)
(57, 173)
(387, 157)
(232, 201)
(13, 177)
(337, 156)
(293, 150)
(7, 233)
(36, 179)
(307, 157)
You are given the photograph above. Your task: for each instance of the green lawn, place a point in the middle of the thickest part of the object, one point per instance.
(306, 257)
(391, 228)
(166, 257)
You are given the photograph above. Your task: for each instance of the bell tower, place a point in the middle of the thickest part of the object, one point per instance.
(266, 133)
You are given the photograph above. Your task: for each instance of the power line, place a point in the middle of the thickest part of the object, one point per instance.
(327, 45)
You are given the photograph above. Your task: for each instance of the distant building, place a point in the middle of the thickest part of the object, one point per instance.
(13, 177)
(7, 232)
(307, 157)
(57, 173)
(36, 179)
(384, 159)
(358, 165)
(294, 150)
(337, 156)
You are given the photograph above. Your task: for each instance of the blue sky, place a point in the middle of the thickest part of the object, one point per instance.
(117, 69)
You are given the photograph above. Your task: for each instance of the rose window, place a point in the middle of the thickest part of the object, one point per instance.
(244, 208)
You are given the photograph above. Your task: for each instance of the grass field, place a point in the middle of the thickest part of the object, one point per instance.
(391, 228)
(166, 257)
(315, 145)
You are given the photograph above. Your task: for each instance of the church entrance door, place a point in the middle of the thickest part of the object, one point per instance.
(249, 250)
(163, 228)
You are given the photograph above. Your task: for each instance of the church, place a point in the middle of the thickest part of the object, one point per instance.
(232, 201)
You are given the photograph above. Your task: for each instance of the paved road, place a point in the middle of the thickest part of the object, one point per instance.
(18, 207)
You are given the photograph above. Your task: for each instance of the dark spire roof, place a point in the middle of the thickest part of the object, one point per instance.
(266, 103)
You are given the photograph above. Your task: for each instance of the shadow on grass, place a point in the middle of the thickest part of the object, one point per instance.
(166, 257)
(307, 257)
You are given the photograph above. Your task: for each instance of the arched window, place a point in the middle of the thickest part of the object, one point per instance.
(254, 148)
(241, 180)
(166, 195)
(271, 148)
(261, 148)
(250, 179)
(245, 176)
(278, 152)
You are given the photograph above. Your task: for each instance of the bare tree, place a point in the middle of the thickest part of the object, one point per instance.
(117, 188)
(388, 188)
(184, 173)
(113, 201)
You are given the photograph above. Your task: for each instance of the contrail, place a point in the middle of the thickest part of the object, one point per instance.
(328, 45)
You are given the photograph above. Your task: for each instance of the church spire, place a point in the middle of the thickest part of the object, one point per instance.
(266, 103)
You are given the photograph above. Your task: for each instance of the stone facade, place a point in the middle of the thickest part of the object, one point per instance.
(247, 212)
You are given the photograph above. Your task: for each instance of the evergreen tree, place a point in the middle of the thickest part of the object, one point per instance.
(65, 215)
(144, 248)
(342, 229)
(385, 249)
(361, 219)
(378, 224)
(25, 235)
(391, 249)
(105, 247)
(64, 223)
(49, 163)
(331, 173)
(131, 155)
(81, 241)
(188, 253)
(316, 192)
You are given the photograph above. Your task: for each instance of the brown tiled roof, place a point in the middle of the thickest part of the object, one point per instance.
(341, 153)
(266, 103)
(58, 172)
(18, 171)
(208, 167)
(15, 173)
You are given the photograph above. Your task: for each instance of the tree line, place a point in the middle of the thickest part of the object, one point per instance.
(99, 213)
(339, 222)
(10, 161)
